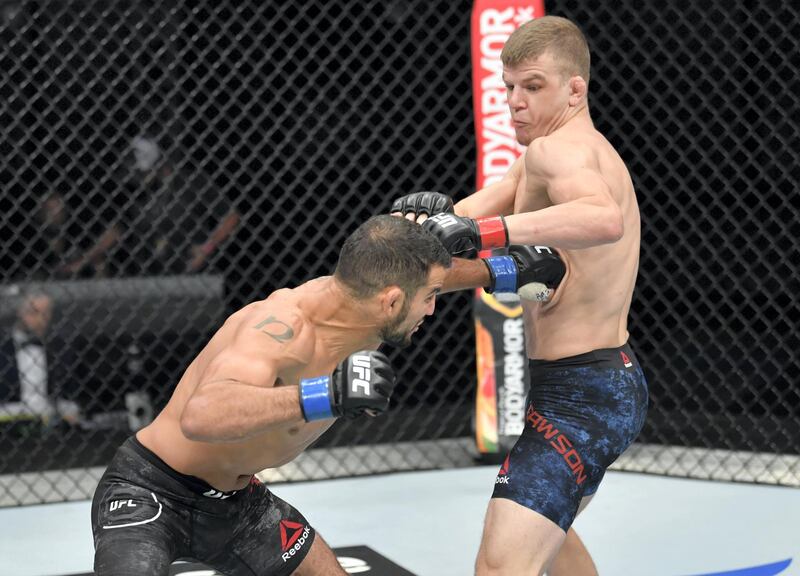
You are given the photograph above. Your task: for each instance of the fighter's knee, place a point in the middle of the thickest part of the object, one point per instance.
(497, 564)
(503, 554)
(487, 565)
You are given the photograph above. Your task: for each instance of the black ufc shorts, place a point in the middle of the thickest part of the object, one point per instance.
(145, 515)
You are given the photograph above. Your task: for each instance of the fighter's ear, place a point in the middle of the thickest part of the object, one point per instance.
(577, 90)
(392, 299)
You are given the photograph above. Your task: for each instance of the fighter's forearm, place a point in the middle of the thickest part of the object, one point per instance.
(229, 411)
(495, 199)
(572, 225)
(465, 275)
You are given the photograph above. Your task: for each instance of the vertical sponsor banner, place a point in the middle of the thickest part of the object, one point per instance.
(502, 374)
(492, 23)
(501, 359)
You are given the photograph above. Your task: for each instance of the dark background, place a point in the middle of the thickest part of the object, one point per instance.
(309, 117)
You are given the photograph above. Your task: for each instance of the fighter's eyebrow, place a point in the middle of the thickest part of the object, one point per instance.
(435, 291)
(528, 78)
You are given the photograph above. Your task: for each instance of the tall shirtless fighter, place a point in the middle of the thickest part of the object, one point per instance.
(570, 190)
(262, 390)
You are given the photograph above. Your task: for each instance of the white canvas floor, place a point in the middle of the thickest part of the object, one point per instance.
(430, 523)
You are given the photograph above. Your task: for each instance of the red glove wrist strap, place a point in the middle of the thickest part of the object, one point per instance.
(493, 232)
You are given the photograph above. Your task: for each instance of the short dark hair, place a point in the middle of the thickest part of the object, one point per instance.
(388, 251)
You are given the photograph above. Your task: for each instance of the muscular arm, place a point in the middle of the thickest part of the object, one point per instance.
(584, 212)
(495, 199)
(236, 397)
(466, 274)
(229, 410)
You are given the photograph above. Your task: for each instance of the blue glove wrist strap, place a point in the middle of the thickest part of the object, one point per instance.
(504, 271)
(314, 398)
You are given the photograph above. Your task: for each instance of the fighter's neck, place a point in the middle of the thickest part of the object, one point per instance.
(575, 117)
(341, 322)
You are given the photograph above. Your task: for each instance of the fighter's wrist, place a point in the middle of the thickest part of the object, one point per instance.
(492, 232)
(503, 273)
(315, 398)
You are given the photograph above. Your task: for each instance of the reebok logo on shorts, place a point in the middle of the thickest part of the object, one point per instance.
(502, 476)
(625, 360)
(293, 536)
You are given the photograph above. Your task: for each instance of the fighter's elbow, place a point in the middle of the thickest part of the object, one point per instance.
(194, 426)
(191, 428)
(612, 227)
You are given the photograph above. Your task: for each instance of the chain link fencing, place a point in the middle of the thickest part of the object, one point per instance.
(164, 163)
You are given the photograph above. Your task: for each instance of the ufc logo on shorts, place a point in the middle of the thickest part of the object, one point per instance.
(120, 503)
(444, 220)
(361, 368)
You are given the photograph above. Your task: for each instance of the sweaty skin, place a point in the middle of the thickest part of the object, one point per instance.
(236, 410)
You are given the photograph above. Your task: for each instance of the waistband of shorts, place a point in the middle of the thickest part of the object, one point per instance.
(621, 356)
(191, 483)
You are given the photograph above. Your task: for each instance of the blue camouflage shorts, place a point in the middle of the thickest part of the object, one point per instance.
(583, 412)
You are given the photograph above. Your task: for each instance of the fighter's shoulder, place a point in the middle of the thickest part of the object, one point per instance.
(278, 331)
(555, 153)
(517, 169)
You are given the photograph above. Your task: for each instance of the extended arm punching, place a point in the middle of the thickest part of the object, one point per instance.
(530, 270)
